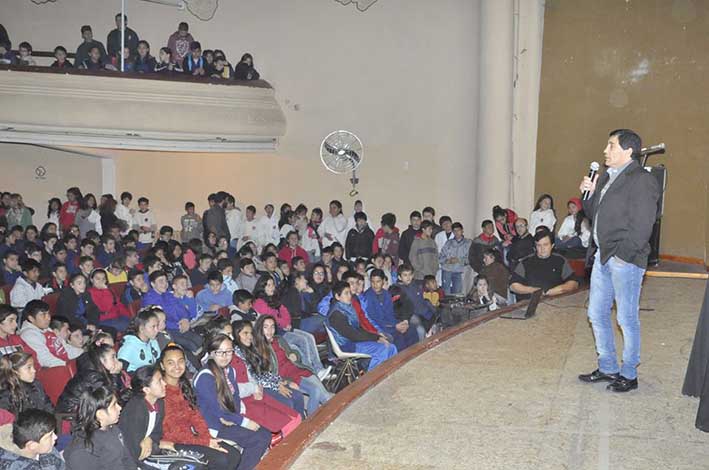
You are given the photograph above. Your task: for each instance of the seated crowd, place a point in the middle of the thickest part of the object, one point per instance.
(181, 54)
(119, 326)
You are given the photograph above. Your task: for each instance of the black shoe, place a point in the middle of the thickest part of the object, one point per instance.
(598, 376)
(621, 385)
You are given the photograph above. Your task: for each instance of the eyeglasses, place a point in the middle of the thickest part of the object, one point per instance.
(224, 353)
(318, 273)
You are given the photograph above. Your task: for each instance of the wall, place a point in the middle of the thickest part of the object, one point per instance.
(639, 64)
(19, 173)
(403, 76)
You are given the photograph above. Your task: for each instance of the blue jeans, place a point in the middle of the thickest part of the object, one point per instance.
(296, 400)
(254, 443)
(378, 351)
(313, 324)
(569, 243)
(317, 394)
(452, 282)
(304, 343)
(618, 280)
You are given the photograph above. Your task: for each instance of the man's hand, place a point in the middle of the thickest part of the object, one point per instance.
(588, 184)
(184, 325)
(383, 340)
(214, 444)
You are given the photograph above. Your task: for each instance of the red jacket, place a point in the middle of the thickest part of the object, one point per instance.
(67, 215)
(178, 410)
(287, 254)
(286, 367)
(14, 343)
(108, 304)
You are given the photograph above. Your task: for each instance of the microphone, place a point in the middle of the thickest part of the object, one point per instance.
(592, 172)
(653, 149)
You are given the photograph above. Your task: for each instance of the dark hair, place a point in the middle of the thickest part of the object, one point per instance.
(6, 311)
(10, 382)
(261, 345)
(31, 425)
(336, 203)
(215, 276)
(541, 234)
(35, 307)
(224, 396)
(183, 26)
(241, 296)
(443, 219)
(429, 210)
(85, 28)
(259, 291)
(490, 252)
(377, 273)
(340, 286)
(406, 268)
(389, 220)
(628, 140)
(143, 199)
(486, 222)
(141, 318)
(415, 214)
(60, 48)
(142, 377)
(457, 225)
(54, 199)
(94, 354)
(426, 224)
(428, 278)
(57, 321)
(243, 262)
(29, 264)
(146, 43)
(537, 206)
(93, 399)
(195, 45)
(185, 383)
(349, 275)
(166, 229)
(155, 275)
(498, 211)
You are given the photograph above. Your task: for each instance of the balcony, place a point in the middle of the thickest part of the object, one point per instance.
(56, 108)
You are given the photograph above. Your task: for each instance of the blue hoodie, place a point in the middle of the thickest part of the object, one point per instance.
(380, 310)
(175, 309)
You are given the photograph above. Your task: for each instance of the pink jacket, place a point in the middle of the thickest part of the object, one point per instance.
(281, 313)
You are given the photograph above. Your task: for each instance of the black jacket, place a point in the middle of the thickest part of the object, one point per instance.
(107, 452)
(359, 244)
(134, 423)
(625, 215)
(405, 242)
(33, 396)
(68, 306)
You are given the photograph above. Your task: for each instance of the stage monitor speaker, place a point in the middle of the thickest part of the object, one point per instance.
(660, 174)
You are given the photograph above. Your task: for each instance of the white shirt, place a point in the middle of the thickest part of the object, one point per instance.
(234, 222)
(269, 230)
(144, 219)
(567, 230)
(441, 238)
(250, 230)
(334, 226)
(123, 213)
(542, 217)
(95, 219)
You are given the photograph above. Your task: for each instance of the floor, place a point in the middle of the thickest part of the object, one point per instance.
(505, 396)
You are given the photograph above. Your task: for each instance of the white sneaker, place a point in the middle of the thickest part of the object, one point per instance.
(325, 373)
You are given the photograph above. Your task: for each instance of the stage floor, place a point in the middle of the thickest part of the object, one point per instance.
(505, 396)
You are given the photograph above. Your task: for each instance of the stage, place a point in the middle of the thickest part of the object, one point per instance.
(505, 395)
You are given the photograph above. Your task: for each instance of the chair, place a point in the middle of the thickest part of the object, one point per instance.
(117, 288)
(52, 300)
(348, 366)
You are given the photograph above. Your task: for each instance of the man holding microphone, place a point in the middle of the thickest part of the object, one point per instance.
(622, 207)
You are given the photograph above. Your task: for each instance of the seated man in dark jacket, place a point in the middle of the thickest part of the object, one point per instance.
(409, 303)
(543, 270)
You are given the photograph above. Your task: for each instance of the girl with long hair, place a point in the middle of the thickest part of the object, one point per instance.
(268, 303)
(97, 442)
(19, 388)
(181, 407)
(575, 230)
(274, 351)
(54, 208)
(543, 214)
(67, 214)
(219, 401)
(140, 348)
(261, 407)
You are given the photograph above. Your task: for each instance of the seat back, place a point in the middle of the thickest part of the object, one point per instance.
(52, 300)
(333, 343)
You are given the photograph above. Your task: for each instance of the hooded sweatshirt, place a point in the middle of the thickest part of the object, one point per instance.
(423, 255)
(40, 341)
(455, 249)
(336, 227)
(138, 353)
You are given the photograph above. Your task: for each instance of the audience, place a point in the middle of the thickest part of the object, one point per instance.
(179, 43)
(522, 243)
(424, 253)
(113, 41)
(84, 50)
(543, 214)
(453, 257)
(575, 230)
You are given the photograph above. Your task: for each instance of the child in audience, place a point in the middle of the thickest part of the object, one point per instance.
(543, 214)
(423, 253)
(380, 309)
(575, 230)
(135, 289)
(19, 388)
(191, 224)
(180, 404)
(261, 407)
(243, 302)
(69, 208)
(117, 272)
(33, 434)
(36, 334)
(166, 65)
(454, 258)
(496, 273)
(334, 227)
(245, 70)
(349, 335)
(76, 336)
(505, 223)
(198, 277)
(94, 62)
(194, 64)
(96, 438)
(482, 295)
(10, 267)
(179, 43)
(218, 399)
(76, 305)
(61, 329)
(25, 50)
(486, 240)
(140, 347)
(432, 292)
(411, 306)
(10, 341)
(144, 62)
(27, 287)
(247, 277)
(144, 222)
(292, 249)
(215, 295)
(113, 313)
(226, 268)
(6, 55)
(274, 350)
(61, 61)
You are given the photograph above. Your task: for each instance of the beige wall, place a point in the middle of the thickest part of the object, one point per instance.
(18, 173)
(403, 76)
(609, 64)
